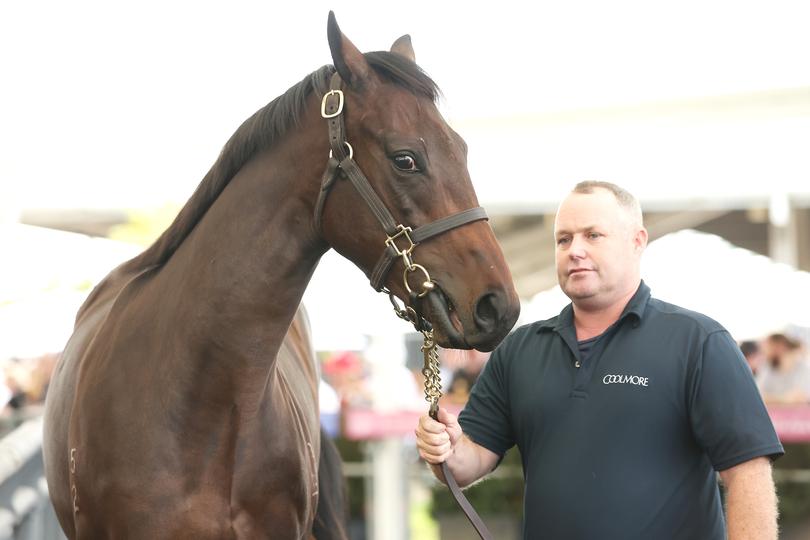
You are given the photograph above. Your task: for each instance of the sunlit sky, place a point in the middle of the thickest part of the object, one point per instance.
(109, 104)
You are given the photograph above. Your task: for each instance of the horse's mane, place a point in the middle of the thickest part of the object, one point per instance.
(259, 132)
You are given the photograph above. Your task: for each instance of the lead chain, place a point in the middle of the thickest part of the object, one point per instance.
(433, 383)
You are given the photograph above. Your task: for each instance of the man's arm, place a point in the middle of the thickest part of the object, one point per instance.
(444, 441)
(751, 509)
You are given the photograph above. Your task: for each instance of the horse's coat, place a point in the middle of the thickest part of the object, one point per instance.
(185, 403)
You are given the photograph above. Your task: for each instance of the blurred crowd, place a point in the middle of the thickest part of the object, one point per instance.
(781, 367)
(23, 386)
(350, 381)
(780, 363)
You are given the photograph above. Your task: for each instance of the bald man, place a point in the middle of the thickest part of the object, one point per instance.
(624, 407)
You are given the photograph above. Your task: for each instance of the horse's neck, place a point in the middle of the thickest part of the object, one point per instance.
(243, 270)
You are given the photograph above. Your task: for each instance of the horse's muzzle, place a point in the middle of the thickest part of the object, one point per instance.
(493, 315)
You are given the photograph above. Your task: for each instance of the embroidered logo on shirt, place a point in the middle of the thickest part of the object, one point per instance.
(626, 379)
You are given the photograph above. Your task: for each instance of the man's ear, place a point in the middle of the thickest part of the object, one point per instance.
(348, 60)
(640, 239)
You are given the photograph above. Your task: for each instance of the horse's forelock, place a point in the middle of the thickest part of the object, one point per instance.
(403, 72)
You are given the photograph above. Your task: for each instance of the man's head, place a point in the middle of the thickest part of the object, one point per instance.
(752, 353)
(600, 237)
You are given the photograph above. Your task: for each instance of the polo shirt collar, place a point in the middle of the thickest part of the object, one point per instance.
(634, 308)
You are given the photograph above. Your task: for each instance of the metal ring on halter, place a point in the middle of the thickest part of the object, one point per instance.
(351, 150)
(427, 285)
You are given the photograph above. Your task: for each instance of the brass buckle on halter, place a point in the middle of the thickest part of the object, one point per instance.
(326, 96)
(391, 241)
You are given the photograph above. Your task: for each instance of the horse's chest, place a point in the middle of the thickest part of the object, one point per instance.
(276, 466)
(268, 481)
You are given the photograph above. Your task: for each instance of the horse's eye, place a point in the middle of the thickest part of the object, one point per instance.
(405, 162)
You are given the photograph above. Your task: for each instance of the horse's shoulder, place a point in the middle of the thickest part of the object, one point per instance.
(93, 316)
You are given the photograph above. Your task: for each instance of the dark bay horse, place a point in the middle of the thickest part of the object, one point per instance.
(185, 404)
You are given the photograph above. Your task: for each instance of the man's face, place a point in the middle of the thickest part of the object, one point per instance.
(598, 250)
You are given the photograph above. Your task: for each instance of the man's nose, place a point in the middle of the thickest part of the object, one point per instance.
(577, 249)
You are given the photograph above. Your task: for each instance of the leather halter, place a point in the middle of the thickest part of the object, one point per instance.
(341, 161)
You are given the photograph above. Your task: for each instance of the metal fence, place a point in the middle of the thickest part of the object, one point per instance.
(25, 510)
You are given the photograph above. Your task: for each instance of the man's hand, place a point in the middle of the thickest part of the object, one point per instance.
(436, 440)
(444, 441)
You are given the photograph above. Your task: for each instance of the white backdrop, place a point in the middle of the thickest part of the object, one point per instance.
(116, 104)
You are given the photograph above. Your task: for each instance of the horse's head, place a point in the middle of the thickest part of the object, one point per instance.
(417, 167)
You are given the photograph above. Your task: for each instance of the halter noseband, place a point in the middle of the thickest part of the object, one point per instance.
(401, 240)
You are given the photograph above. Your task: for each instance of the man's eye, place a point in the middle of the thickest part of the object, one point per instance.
(405, 162)
(561, 241)
(594, 235)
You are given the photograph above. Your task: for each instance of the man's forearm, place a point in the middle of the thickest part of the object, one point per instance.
(751, 506)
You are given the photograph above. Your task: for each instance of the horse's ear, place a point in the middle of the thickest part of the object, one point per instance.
(403, 47)
(349, 61)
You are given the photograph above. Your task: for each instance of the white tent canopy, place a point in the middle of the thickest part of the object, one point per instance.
(344, 310)
(45, 276)
(48, 273)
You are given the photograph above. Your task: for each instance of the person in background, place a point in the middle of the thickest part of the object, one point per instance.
(753, 355)
(345, 372)
(329, 408)
(458, 391)
(623, 407)
(785, 374)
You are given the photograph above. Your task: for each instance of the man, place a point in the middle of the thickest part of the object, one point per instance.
(622, 407)
(785, 375)
(752, 353)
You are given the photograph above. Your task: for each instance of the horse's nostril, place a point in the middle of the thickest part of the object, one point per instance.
(487, 312)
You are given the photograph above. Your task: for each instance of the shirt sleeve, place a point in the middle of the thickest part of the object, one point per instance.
(486, 418)
(728, 417)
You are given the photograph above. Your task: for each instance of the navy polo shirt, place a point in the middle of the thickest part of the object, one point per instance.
(625, 443)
